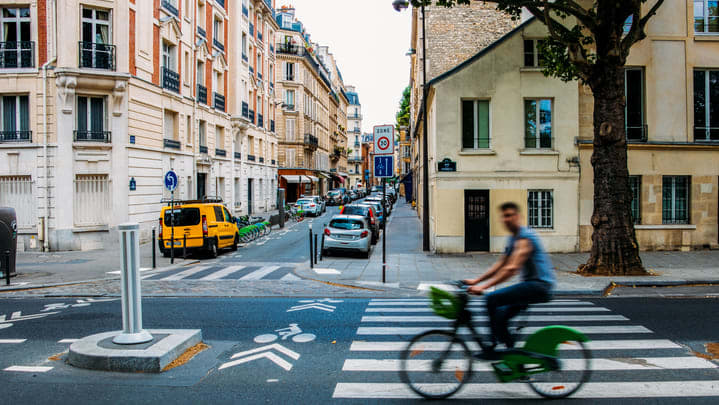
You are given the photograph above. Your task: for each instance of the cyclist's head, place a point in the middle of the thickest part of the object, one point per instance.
(510, 216)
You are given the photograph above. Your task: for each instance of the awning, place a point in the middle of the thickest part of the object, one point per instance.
(313, 178)
(340, 179)
(295, 179)
(343, 174)
(324, 176)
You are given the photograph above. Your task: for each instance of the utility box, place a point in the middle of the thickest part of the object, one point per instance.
(8, 240)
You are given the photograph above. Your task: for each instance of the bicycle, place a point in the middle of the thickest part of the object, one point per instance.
(537, 362)
(293, 331)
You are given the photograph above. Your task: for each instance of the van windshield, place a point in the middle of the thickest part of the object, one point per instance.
(183, 217)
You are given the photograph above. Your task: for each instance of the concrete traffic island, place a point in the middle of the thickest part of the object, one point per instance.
(99, 352)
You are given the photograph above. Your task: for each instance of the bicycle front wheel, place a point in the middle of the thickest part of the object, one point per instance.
(574, 370)
(436, 364)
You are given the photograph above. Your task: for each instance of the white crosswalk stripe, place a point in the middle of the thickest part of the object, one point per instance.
(222, 273)
(186, 273)
(658, 367)
(244, 272)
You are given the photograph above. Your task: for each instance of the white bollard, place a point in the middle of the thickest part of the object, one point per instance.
(132, 332)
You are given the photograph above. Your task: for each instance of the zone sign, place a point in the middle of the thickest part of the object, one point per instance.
(384, 140)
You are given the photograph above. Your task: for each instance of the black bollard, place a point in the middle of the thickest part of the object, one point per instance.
(184, 247)
(154, 262)
(311, 261)
(7, 267)
(315, 248)
(322, 247)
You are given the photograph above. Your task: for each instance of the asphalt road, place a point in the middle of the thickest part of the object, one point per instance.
(645, 350)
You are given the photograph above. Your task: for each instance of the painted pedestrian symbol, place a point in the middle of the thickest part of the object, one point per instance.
(292, 331)
(266, 352)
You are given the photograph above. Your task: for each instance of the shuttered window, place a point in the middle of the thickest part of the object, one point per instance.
(92, 200)
(16, 192)
(475, 124)
(290, 130)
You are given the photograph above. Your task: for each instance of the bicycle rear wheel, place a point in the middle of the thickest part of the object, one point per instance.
(436, 364)
(574, 370)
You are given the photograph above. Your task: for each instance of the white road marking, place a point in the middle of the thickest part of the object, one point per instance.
(29, 369)
(479, 310)
(17, 316)
(639, 389)
(323, 307)
(67, 340)
(533, 318)
(639, 344)
(142, 269)
(267, 354)
(327, 271)
(12, 341)
(290, 277)
(410, 330)
(186, 273)
(258, 274)
(222, 273)
(471, 304)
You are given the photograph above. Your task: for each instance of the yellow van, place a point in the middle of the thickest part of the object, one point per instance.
(207, 224)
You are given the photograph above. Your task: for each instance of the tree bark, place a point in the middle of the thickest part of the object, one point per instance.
(615, 250)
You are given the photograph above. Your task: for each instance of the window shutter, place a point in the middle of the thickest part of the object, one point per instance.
(483, 124)
(467, 124)
(82, 114)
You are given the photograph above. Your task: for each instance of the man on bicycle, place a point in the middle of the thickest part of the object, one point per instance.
(524, 252)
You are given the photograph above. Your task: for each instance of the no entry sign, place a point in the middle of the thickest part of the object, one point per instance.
(384, 140)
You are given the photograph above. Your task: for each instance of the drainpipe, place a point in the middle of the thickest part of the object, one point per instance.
(46, 242)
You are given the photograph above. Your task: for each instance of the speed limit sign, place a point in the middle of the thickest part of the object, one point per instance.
(384, 140)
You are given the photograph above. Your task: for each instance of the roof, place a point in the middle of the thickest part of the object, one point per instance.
(353, 98)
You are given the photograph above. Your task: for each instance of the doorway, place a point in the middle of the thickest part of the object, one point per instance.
(249, 196)
(476, 220)
(201, 185)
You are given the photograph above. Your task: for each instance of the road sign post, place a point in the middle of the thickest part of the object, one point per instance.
(384, 169)
(171, 184)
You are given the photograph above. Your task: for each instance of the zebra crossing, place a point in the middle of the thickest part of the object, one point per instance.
(629, 361)
(244, 272)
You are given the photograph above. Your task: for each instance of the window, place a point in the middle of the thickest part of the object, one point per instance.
(475, 124)
(238, 197)
(15, 118)
(251, 145)
(170, 125)
(706, 105)
(538, 112)
(97, 51)
(634, 126)
(188, 73)
(675, 199)
(706, 16)
(244, 47)
(286, 21)
(218, 33)
(291, 153)
(541, 209)
(219, 138)
(628, 24)
(168, 56)
(188, 128)
(91, 119)
(290, 100)
(16, 192)
(91, 200)
(635, 184)
(289, 71)
(202, 134)
(532, 58)
(201, 74)
(17, 50)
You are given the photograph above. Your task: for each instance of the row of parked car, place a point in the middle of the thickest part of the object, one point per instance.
(358, 225)
(341, 196)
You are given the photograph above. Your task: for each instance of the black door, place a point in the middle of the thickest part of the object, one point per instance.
(476, 220)
(249, 196)
(201, 181)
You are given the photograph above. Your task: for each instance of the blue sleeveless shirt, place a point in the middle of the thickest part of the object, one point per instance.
(538, 267)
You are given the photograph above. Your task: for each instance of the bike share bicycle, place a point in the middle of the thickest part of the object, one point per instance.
(540, 362)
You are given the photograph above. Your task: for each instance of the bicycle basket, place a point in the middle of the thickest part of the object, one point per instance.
(443, 303)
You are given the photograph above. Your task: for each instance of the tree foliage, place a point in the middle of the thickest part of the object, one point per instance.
(403, 113)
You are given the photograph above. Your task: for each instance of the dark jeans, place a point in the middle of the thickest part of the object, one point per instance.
(506, 303)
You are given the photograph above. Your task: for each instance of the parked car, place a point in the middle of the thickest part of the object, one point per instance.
(378, 199)
(379, 211)
(353, 195)
(334, 197)
(320, 201)
(366, 211)
(347, 233)
(309, 206)
(206, 226)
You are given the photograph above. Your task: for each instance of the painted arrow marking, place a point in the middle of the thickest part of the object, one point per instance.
(323, 307)
(257, 353)
(17, 316)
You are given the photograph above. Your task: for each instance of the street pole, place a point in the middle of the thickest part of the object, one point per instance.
(425, 165)
(154, 262)
(172, 227)
(311, 261)
(384, 231)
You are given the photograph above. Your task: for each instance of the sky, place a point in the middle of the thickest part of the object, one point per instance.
(369, 40)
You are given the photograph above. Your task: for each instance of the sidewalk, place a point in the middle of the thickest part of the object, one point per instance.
(409, 267)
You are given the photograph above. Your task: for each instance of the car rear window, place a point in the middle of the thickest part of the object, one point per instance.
(333, 193)
(183, 217)
(304, 202)
(349, 224)
(355, 211)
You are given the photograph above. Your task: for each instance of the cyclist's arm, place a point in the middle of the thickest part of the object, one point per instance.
(489, 273)
(515, 262)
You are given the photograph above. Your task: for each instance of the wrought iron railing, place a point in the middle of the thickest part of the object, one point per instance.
(238, 156)
(171, 143)
(272, 125)
(221, 3)
(220, 152)
(201, 32)
(252, 116)
(15, 136)
(706, 134)
(203, 149)
(290, 49)
(262, 160)
(252, 30)
(311, 141)
(354, 117)
(93, 136)
(219, 102)
(96, 56)
(251, 158)
(260, 121)
(170, 80)
(169, 6)
(219, 45)
(20, 54)
(245, 110)
(201, 94)
(637, 134)
(245, 11)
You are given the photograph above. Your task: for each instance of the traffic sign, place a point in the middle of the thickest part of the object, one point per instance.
(170, 180)
(384, 140)
(383, 166)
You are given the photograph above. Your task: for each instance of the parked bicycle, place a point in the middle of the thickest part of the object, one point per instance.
(539, 362)
(252, 228)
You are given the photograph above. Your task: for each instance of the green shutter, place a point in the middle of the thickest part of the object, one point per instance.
(467, 124)
(483, 124)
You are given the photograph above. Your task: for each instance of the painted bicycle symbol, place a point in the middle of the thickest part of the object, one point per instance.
(292, 331)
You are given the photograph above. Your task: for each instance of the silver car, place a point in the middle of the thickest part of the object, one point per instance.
(347, 233)
(320, 201)
(309, 206)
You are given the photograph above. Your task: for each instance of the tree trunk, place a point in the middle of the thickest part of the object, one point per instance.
(615, 250)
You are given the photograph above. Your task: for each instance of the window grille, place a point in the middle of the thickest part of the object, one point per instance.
(92, 200)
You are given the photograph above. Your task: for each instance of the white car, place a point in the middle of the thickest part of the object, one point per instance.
(309, 206)
(319, 200)
(347, 233)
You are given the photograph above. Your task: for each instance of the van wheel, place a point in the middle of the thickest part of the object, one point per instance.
(213, 249)
(234, 244)
(166, 253)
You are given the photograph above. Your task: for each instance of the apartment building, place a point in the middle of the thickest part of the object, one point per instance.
(354, 125)
(132, 89)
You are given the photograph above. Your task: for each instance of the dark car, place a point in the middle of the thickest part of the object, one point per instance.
(335, 197)
(379, 212)
(366, 211)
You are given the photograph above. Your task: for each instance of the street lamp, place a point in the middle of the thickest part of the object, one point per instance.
(400, 5)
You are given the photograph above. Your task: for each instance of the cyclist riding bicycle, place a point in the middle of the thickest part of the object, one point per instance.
(524, 252)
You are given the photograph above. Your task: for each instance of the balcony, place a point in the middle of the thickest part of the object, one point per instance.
(15, 55)
(220, 152)
(262, 160)
(203, 149)
(290, 49)
(272, 125)
(170, 80)
(171, 8)
(238, 156)
(201, 94)
(251, 158)
(354, 117)
(15, 136)
(97, 56)
(637, 134)
(171, 143)
(311, 142)
(354, 159)
(357, 145)
(219, 102)
(218, 44)
(252, 116)
(245, 110)
(260, 121)
(93, 136)
(245, 11)
(355, 131)
(290, 107)
(201, 32)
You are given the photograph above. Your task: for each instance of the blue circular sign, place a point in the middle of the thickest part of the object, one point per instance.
(171, 180)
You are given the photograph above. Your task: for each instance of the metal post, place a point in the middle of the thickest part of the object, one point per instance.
(311, 262)
(322, 247)
(384, 231)
(7, 267)
(425, 163)
(315, 248)
(154, 260)
(132, 332)
(282, 207)
(184, 246)
(172, 227)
